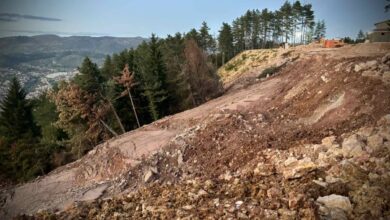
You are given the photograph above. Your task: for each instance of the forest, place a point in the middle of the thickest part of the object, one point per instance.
(160, 77)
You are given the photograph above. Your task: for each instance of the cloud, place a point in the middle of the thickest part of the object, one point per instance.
(12, 17)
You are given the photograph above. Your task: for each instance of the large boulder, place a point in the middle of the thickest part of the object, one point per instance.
(336, 202)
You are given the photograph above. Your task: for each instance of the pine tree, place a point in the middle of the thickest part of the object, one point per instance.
(89, 78)
(225, 40)
(16, 119)
(361, 35)
(206, 40)
(21, 156)
(193, 34)
(154, 79)
(320, 29)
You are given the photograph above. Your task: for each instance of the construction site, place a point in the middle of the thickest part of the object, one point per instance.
(300, 133)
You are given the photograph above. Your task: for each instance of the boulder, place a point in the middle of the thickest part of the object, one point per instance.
(386, 59)
(374, 143)
(336, 202)
(299, 168)
(372, 64)
(352, 146)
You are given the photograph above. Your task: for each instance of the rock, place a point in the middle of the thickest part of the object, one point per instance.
(371, 73)
(385, 120)
(374, 143)
(331, 179)
(332, 214)
(179, 158)
(294, 200)
(336, 201)
(359, 67)
(352, 146)
(329, 141)
(148, 176)
(289, 161)
(323, 78)
(239, 203)
(299, 168)
(273, 192)
(365, 131)
(385, 59)
(187, 207)
(286, 214)
(264, 169)
(320, 183)
(385, 132)
(94, 193)
(241, 215)
(373, 64)
(270, 214)
(386, 76)
(201, 193)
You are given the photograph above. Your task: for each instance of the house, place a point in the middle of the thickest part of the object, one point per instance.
(381, 33)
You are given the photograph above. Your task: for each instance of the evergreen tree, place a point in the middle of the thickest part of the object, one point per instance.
(193, 34)
(89, 78)
(16, 119)
(225, 40)
(21, 156)
(206, 42)
(320, 29)
(286, 13)
(361, 36)
(154, 79)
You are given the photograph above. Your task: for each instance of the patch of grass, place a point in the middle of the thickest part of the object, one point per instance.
(269, 72)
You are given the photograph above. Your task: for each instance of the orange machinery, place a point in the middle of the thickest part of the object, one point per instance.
(332, 43)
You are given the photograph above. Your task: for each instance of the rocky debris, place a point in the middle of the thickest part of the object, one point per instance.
(299, 168)
(236, 165)
(264, 169)
(375, 69)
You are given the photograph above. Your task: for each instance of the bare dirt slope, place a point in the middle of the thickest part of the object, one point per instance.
(253, 152)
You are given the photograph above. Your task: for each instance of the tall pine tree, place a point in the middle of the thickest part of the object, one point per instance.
(16, 119)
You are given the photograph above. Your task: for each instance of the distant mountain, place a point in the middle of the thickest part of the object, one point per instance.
(33, 58)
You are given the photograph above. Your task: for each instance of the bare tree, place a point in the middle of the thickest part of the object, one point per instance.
(128, 81)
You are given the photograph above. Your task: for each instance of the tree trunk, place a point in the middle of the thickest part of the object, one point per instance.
(116, 116)
(108, 128)
(132, 104)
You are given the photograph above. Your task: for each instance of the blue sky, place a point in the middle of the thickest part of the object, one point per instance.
(130, 18)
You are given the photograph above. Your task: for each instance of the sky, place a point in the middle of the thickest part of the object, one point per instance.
(131, 18)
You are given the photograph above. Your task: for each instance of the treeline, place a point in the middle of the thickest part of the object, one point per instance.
(292, 23)
(132, 88)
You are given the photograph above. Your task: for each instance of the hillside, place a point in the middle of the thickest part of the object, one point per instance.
(308, 140)
(41, 60)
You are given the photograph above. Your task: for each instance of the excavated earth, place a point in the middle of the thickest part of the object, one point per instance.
(311, 141)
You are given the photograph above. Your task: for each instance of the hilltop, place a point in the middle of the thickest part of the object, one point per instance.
(300, 133)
